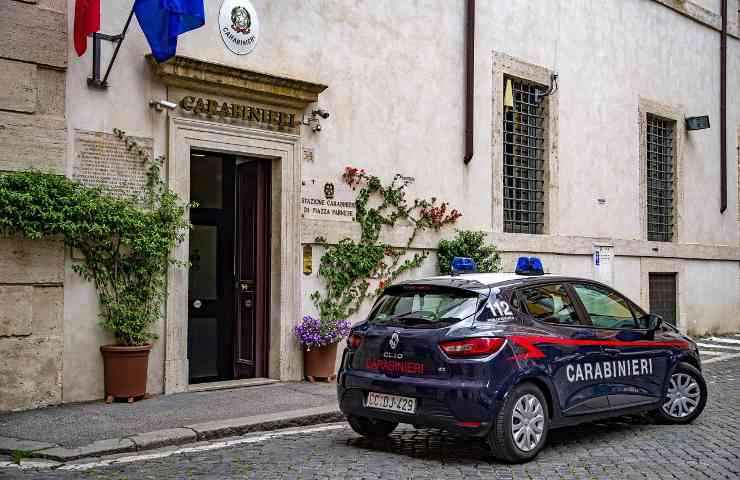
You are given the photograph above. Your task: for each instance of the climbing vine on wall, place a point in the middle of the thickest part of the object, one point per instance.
(126, 243)
(348, 267)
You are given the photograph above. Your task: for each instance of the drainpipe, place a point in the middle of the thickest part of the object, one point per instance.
(723, 109)
(469, 67)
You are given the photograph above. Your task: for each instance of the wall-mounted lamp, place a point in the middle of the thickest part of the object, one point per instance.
(540, 94)
(313, 120)
(159, 105)
(697, 123)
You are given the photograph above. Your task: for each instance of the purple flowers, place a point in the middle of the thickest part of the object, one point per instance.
(312, 332)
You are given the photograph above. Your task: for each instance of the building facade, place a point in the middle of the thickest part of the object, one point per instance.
(595, 163)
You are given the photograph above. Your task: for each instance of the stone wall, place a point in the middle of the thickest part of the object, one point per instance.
(32, 84)
(33, 134)
(31, 312)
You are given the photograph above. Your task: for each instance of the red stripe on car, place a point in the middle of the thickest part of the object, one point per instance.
(528, 344)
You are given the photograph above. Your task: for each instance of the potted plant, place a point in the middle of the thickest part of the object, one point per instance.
(129, 268)
(319, 342)
(125, 244)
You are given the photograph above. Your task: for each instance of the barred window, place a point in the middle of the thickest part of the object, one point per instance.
(524, 157)
(660, 168)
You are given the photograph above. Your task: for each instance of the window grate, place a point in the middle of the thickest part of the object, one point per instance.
(662, 292)
(660, 161)
(524, 164)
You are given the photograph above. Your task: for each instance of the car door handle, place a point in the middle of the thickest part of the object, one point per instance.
(612, 351)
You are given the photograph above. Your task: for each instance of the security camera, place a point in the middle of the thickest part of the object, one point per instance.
(158, 105)
(317, 127)
(321, 113)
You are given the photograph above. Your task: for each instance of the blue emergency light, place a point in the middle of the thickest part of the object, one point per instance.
(529, 266)
(463, 265)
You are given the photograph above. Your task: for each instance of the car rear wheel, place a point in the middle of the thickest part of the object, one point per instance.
(370, 427)
(520, 429)
(686, 396)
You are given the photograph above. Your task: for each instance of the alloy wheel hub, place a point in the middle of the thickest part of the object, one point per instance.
(527, 422)
(683, 396)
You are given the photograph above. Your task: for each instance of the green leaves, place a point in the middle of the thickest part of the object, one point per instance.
(347, 267)
(126, 244)
(468, 244)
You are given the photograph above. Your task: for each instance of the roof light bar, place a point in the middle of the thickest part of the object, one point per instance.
(463, 265)
(529, 266)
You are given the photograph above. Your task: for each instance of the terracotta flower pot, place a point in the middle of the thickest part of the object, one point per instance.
(320, 362)
(125, 371)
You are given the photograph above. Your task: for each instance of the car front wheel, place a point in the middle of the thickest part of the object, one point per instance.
(686, 396)
(521, 425)
(369, 427)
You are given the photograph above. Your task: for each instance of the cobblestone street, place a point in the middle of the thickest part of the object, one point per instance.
(624, 448)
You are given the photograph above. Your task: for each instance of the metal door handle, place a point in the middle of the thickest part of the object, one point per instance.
(612, 351)
(248, 303)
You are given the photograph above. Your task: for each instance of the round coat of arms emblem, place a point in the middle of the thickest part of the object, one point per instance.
(329, 190)
(240, 19)
(239, 25)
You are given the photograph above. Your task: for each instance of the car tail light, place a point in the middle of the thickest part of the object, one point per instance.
(354, 341)
(472, 347)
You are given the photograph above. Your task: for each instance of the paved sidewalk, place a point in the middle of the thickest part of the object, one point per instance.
(202, 414)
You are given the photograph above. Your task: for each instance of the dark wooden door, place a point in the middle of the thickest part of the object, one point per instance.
(251, 268)
(211, 254)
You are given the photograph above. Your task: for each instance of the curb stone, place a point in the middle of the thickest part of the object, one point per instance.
(271, 421)
(9, 445)
(95, 449)
(175, 436)
(162, 438)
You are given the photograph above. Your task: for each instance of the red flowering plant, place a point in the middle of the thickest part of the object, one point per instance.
(437, 216)
(353, 176)
(348, 267)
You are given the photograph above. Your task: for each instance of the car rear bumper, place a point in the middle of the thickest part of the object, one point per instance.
(464, 407)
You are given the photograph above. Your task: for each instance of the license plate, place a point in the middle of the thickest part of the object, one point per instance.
(394, 403)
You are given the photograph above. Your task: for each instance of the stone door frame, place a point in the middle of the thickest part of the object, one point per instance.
(283, 148)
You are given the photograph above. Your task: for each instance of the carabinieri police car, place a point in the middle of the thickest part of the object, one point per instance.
(506, 357)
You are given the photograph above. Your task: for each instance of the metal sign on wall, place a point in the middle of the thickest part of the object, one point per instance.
(603, 264)
(239, 25)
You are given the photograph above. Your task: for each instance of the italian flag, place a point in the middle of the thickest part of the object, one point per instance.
(87, 21)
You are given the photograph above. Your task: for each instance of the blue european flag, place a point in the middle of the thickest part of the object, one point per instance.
(163, 20)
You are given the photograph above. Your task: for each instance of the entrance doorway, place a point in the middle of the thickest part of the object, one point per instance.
(228, 279)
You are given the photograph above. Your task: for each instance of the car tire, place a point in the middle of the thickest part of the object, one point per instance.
(370, 427)
(686, 396)
(525, 408)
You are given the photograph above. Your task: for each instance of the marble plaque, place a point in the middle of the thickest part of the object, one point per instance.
(327, 200)
(101, 159)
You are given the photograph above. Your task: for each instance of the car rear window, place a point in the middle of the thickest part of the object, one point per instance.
(424, 307)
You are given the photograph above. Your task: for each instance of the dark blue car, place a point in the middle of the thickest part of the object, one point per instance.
(509, 356)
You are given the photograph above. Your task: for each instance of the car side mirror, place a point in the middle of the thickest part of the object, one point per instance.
(651, 321)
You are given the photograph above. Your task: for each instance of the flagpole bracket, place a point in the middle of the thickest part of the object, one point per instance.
(95, 81)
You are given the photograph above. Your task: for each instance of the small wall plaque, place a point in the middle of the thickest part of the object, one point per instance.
(308, 154)
(307, 260)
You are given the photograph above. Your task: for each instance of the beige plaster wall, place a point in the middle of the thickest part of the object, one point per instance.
(395, 76)
(709, 302)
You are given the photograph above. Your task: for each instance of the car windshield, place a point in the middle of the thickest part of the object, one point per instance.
(424, 307)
